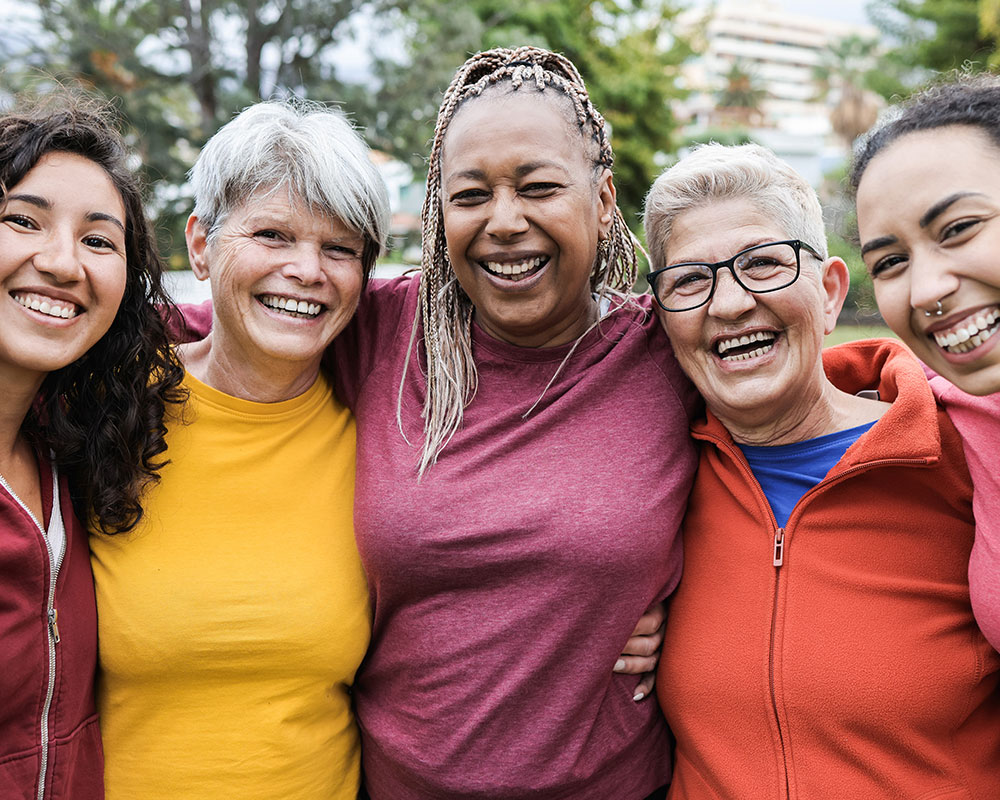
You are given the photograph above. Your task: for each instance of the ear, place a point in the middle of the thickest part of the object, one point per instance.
(607, 199)
(197, 245)
(836, 282)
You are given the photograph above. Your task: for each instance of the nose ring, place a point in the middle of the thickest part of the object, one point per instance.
(936, 313)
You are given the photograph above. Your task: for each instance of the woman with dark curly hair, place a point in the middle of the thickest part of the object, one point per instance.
(81, 422)
(928, 192)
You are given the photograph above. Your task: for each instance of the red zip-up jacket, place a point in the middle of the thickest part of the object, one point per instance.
(55, 754)
(837, 657)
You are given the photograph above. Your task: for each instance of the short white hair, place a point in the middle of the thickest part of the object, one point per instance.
(714, 172)
(307, 148)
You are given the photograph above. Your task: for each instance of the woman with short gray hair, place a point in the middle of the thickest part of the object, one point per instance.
(233, 620)
(821, 643)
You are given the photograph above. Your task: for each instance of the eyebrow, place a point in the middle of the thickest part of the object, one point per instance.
(43, 203)
(875, 244)
(520, 171)
(942, 205)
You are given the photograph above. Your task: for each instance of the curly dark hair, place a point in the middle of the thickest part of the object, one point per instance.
(102, 415)
(961, 99)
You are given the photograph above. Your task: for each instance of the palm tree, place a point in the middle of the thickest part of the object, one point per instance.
(843, 76)
(739, 101)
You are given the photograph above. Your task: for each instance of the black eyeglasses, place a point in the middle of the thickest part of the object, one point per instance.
(759, 269)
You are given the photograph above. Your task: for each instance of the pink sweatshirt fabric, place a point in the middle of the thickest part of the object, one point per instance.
(505, 582)
(978, 421)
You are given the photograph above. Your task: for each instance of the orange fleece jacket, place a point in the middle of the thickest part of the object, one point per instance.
(854, 669)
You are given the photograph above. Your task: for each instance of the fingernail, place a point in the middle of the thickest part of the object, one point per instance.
(619, 665)
(638, 696)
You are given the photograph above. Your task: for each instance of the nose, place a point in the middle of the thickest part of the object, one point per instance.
(729, 299)
(932, 278)
(59, 258)
(305, 265)
(506, 217)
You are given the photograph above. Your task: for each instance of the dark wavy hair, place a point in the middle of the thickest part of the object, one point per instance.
(102, 415)
(961, 99)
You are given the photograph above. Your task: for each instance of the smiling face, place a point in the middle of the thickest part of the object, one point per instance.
(755, 358)
(285, 281)
(929, 223)
(523, 211)
(62, 265)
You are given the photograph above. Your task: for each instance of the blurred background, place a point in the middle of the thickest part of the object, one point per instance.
(802, 78)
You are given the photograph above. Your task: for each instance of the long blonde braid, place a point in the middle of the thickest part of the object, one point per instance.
(444, 310)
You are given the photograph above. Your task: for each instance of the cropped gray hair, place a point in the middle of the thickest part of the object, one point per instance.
(714, 172)
(306, 148)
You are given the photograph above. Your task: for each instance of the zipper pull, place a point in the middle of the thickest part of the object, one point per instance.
(54, 625)
(779, 547)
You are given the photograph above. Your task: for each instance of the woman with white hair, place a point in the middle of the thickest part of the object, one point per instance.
(821, 643)
(233, 619)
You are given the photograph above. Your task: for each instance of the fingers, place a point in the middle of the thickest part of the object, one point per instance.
(645, 687)
(651, 621)
(636, 665)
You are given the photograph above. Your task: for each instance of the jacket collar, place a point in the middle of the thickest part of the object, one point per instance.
(907, 431)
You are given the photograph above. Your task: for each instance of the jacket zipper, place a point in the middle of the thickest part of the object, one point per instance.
(52, 628)
(778, 556)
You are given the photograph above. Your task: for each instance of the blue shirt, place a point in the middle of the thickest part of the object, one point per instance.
(787, 471)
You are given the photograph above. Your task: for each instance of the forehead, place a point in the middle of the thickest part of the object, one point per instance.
(716, 230)
(278, 205)
(501, 124)
(83, 180)
(932, 160)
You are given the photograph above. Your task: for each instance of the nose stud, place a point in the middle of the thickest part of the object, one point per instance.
(936, 313)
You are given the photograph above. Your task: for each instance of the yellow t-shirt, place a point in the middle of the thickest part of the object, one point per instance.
(233, 619)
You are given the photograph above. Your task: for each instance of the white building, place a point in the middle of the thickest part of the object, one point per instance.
(781, 52)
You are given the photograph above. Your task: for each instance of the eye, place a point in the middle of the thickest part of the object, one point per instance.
(540, 188)
(99, 242)
(21, 221)
(469, 197)
(959, 227)
(888, 266)
(269, 235)
(341, 251)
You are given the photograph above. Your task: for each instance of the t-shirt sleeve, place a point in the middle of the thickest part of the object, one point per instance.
(188, 322)
(381, 317)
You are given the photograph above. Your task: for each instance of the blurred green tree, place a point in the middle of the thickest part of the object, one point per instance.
(621, 48)
(932, 36)
(180, 68)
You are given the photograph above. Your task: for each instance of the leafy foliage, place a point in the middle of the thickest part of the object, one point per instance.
(618, 46)
(179, 69)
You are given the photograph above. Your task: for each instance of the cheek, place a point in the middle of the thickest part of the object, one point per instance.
(892, 299)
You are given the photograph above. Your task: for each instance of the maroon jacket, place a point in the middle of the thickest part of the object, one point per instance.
(69, 758)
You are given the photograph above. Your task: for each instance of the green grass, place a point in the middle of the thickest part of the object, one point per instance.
(851, 333)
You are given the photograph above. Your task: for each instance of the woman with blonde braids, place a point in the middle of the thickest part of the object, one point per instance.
(500, 402)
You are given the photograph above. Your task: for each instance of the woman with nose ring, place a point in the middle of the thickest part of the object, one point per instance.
(930, 237)
(821, 643)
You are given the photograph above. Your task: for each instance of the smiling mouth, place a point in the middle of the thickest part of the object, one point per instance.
(743, 348)
(515, 270)
(969, 333)
(50, 307)
(302, 309)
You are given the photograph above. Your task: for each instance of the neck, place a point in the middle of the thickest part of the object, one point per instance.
(17, 393)
(270, 381)
(824, 410)
(571, 330)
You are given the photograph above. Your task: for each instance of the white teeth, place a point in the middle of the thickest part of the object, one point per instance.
(51, 308)
(513, 270)
(291, 306)
(971, 334)
(745, 339)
